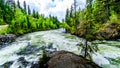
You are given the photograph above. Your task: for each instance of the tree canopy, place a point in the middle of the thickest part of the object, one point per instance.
(21, 20)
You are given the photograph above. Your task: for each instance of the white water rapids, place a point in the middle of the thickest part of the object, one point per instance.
(26, 50)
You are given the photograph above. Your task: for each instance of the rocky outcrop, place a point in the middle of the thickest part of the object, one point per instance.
(5, 39)
(65, 59)
(109, 31)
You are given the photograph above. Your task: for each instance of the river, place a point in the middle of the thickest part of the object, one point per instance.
(26, 50)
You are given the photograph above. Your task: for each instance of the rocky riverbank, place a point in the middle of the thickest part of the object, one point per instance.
(6, 39)
(106, 31)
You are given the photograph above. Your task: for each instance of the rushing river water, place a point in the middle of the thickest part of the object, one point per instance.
(26, 50)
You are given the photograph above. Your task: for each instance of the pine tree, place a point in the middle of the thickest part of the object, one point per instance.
(67, 16)
(88, 28)
(75, 7)
(28, 23)
(75, 12)
(18, 4)
(71, 11)
(14, 5)
(33, 14)
(24, 4)
(37, 15)
(29, 11)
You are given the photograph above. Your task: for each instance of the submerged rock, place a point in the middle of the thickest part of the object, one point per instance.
(65, 59)
(7, 64)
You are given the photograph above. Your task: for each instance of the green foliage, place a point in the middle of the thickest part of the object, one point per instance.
(100, 19)
(6, 13)
(1, 22)
(90, 20)
(21, 21)
(113, 16)
(3, 29)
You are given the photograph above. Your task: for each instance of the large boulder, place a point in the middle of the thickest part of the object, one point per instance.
(65, 59)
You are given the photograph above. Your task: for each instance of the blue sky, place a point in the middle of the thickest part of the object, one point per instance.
(53, 7)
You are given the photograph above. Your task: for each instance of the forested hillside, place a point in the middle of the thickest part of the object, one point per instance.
(21, 20)
(99, 20)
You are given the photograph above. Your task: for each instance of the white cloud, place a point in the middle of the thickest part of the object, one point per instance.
(56, 8)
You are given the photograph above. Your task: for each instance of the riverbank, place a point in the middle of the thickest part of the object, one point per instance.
(105, 31)
(7, 39)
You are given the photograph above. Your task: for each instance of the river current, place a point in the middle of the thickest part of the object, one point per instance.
(26, 50)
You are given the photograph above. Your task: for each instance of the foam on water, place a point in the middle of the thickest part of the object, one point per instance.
(8, 53)
(99, 59)
(32, 43)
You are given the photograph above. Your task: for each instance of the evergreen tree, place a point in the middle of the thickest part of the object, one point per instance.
(67, 16)
(37, 15)
(71, 11)
(75, 7)
(18, 4)
(33, 14)
(24, 4)
(29, 11)
(75, 16)
(14, 6)
(88, 26)
(28, 23)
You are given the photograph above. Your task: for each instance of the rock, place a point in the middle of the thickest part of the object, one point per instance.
(21, 62)
(65, 59)
(6, 65)
(8, 38)
(35, 65)
(109, 31)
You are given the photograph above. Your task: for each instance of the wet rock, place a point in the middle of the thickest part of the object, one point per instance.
(20, 63)
(8, 38)
(23, 61)
(65, 59)
(35, 65)
(28, 50)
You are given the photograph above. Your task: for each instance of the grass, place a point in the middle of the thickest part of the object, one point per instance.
(3, 29)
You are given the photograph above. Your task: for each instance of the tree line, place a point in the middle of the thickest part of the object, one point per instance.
(95, 18)
(99, 20)
(22, 20)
